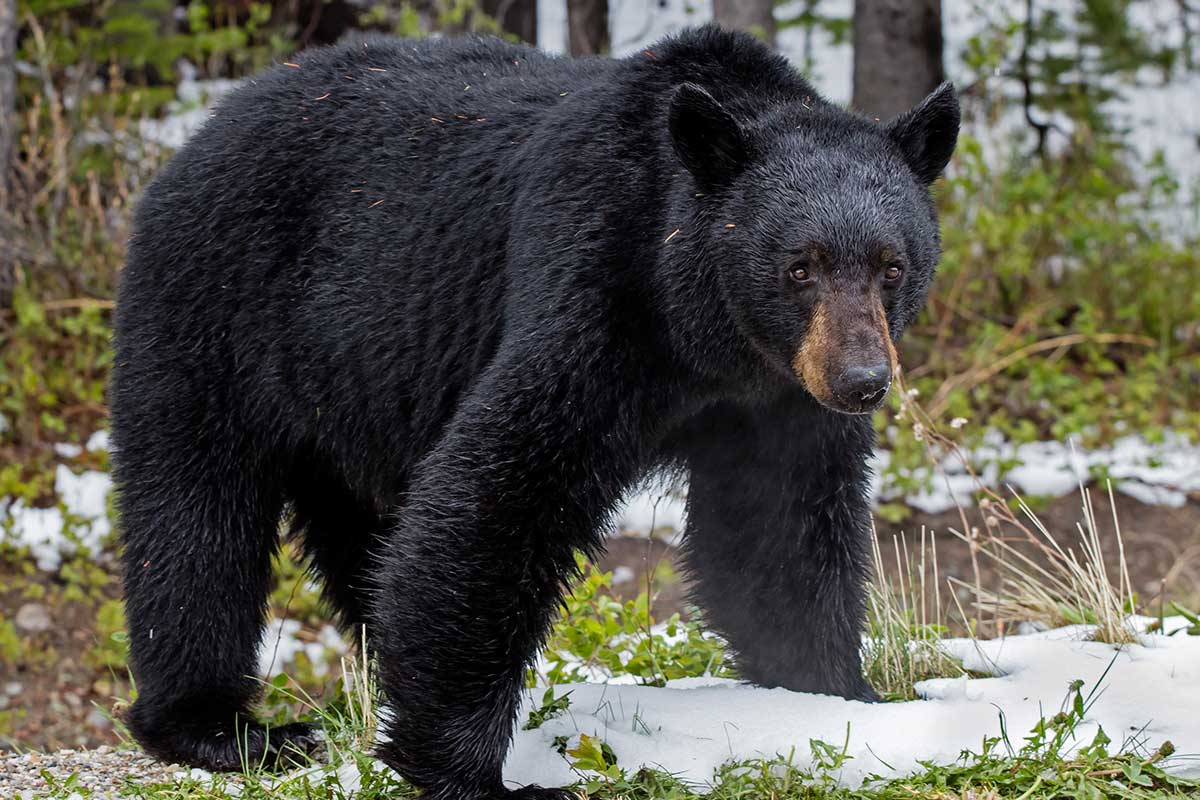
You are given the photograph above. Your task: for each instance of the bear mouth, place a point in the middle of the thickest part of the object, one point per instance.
(855, 406)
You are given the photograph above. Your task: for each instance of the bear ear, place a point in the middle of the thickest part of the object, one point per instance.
(706, 137)
(927, 134)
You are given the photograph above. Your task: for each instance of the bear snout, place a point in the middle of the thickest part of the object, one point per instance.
(846, 361)
(861, 388)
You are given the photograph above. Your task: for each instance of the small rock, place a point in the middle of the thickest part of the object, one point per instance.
(33, 618)
(97, 720)
(13, 688)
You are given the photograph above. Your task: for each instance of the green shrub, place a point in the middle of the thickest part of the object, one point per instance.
(597, 633)
(54, 365)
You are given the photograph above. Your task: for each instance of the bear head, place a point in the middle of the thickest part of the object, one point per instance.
(819, 228)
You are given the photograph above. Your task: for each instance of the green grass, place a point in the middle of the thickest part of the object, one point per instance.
(598, 633)
(906, 623)
(596, 630)
(1050, 762)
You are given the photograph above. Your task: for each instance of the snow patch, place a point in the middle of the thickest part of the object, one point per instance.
(1162, 473)
(67, 450)
(283, 641)
(1157, 473)
(49, 533)
(97, 442)
(692, 727)
(657, 509)
(188, 112)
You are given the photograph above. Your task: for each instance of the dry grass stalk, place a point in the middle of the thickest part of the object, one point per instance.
(1041, 580)
(358, 683)
(1056, 585)
(905, 622)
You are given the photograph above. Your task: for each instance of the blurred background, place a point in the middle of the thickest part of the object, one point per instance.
(1061, 344)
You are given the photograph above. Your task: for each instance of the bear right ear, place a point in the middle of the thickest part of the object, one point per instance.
(706, 137)
(927, 134)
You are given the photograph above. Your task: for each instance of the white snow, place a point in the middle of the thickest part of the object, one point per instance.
(1143, 695)
(622, 575)
(83, 498)
(658, 508)
(188, 112)
(173, 130)
(1162, 473)
(281, 643)
(97, 442)
(693, 726)
(47, 531)
(67, 450)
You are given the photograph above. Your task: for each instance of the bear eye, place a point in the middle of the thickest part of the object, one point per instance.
(893, 273)
(799, 273)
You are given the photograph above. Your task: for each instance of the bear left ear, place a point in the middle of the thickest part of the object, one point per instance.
(927, 134)
(706, 137)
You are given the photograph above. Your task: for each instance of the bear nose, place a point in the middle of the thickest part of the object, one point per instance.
(864, 386)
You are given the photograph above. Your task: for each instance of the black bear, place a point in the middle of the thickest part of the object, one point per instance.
(440, 304)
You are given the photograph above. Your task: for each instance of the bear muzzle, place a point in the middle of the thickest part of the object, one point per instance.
(847, 358)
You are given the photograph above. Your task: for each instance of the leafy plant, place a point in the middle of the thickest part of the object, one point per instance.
(551, 707)
(599, 635)
(1192, 617)
(111, 650)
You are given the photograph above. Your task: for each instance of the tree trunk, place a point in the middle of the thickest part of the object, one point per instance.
(897, 54)
(518, 17)
(754, 16)
(8, 138)
(587, 27)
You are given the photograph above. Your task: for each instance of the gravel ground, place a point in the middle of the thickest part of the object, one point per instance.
(104, 772)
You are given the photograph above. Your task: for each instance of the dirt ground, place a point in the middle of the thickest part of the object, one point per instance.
(1162, 548)
(62, 695)
(1162, 545)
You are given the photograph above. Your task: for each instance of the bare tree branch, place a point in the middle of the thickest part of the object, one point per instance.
(8, 138)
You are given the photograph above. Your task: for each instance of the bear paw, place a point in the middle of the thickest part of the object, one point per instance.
(249, 746)
(256, 747)
(865, 693)
(534, 792)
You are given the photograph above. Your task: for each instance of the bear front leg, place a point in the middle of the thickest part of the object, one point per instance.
(477, 565)
(777, 540)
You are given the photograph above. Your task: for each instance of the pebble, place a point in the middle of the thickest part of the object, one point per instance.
(101, 774)
(33, 618)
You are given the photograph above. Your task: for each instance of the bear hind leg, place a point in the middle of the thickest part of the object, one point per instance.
(199, 536)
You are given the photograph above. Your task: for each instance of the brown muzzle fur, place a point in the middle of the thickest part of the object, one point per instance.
(846, 335)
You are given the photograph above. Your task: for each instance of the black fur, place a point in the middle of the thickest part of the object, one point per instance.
(446, 302)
